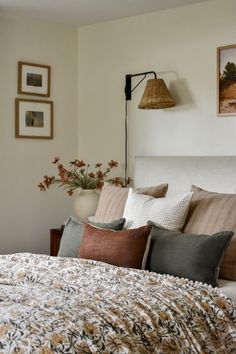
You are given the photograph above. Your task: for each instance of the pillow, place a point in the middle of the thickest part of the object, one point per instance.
(212, 212)
(72, 234)
(112, 200)
(125, 248)
(169, 212)
(196, 257)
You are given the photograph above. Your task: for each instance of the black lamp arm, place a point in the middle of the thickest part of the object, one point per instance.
(128, 77)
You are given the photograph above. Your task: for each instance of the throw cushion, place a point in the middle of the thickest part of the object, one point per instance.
(73, 231)
(112, 200)
(169, 212)
(196, 257)
(212, 212)
(125, 248)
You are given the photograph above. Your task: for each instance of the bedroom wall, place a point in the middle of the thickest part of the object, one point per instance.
(26, 215)
(181, 45)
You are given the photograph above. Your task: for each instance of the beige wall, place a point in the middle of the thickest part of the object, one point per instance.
(180, 44)
(26, 215)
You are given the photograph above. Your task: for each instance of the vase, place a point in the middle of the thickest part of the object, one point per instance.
(85, 203)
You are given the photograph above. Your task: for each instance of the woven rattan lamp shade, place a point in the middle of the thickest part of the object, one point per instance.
(156, 96)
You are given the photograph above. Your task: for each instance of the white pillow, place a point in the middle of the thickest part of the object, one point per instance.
(169, 213)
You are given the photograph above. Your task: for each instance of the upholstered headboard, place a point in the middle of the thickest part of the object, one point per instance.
(214, 173)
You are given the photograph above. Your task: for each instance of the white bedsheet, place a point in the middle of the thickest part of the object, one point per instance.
(228, 287)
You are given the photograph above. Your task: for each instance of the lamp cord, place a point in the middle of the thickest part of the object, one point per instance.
(126, 141)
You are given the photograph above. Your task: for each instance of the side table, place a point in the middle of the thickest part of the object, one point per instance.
(55, 239)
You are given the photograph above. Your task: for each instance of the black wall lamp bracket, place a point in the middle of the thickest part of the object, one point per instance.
(128, 79)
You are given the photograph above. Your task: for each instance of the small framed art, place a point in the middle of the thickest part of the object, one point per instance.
(33, 119)
(226, 80)
(33, 79)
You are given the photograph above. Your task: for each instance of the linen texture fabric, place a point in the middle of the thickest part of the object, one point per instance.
(195, 257)
(211, 212)
(169, 212)
(125, 248)
(73, 231)
(112, 200)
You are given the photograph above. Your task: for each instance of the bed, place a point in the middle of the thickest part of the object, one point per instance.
(216, 173)
(75, 305)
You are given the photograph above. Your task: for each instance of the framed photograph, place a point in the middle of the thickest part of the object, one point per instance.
(33, 79)
(34, 119)
(226, 80)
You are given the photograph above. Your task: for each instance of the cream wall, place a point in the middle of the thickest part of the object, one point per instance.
(180, 44)
(26, 215)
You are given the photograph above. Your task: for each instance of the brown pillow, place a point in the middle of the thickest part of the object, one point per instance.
(125, 248)
(209, 213)
(112, 200)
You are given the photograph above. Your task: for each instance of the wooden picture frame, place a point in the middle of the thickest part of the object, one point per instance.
(226, 80)
(33, 119)
(34, 79)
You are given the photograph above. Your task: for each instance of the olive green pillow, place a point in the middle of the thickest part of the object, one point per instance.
(73, 231)
(196, 257)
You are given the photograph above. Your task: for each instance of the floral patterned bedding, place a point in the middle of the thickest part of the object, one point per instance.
(61, 305)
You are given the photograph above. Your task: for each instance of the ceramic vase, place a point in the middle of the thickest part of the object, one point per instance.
(85, 203)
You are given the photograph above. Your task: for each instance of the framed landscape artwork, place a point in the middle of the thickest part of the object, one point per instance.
(34, 119)
(33, 79)
(226, 80)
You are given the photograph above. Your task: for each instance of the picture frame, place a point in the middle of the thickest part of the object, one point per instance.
(34, 79)
(33, 119)
(226, 80)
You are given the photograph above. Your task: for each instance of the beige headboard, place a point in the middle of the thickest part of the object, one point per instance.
(214, 173)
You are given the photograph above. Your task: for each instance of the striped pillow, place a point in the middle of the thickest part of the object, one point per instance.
(169, 213)
(212, 212)
(112, 200)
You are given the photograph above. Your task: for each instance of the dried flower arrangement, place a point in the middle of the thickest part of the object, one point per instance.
(78, 176)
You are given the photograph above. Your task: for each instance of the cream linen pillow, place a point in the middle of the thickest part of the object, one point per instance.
(169, 213)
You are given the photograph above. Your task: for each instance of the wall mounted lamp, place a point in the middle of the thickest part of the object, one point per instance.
(155, 96)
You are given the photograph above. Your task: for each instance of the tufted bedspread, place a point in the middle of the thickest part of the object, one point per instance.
(67, 305)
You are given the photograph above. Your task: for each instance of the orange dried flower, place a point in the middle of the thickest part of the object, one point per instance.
(112, 164)
(80, 163)
(42, 186)
(118, 181)
(99, 185)
(99, 174)
(98, 165)
(61, 170)
(48, 181)
(56, 159)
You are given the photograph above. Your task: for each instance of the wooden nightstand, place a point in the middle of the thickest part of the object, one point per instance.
(55, 239)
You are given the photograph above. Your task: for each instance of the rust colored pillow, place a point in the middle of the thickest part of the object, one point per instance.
(212, 212)
(125, 248)
(112, 200)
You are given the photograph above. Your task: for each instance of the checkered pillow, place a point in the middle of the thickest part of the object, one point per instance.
(169, 213)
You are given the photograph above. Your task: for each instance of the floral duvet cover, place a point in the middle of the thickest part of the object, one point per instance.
(67, 305)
